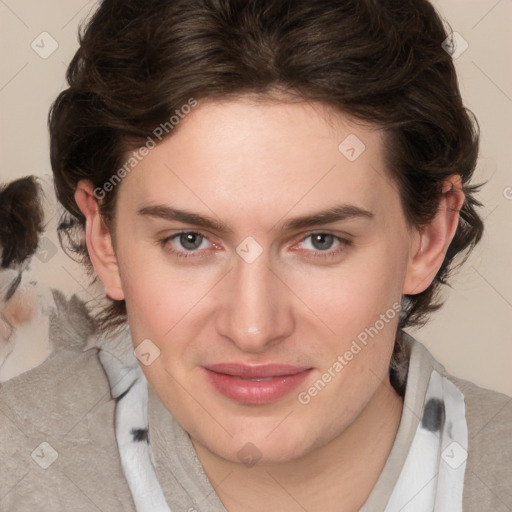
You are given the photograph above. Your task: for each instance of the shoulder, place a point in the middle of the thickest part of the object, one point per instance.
(489, 463)
(57, 440)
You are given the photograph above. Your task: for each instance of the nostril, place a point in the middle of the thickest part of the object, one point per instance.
(5, 329)
(22, 308)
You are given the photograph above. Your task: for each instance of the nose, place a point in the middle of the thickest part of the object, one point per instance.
(5, 329)
(255, 309)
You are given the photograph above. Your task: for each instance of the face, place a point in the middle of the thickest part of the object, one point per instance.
(20, 304)
(271, 316)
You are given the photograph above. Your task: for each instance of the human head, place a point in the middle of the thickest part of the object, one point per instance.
(379, 63)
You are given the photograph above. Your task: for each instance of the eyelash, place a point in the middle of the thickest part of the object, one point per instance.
(344, 243)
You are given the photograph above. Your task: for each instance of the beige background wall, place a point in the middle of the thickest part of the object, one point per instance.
(471, 335)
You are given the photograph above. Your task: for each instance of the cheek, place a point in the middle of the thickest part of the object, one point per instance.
(156, 299)
(351, 296)
(22, 308)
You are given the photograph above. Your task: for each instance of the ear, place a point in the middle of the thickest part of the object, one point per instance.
(432, 241)
(99, 241)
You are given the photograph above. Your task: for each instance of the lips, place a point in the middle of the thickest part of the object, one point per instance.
(255, 384)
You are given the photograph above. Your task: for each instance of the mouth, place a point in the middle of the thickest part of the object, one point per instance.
(255, 385)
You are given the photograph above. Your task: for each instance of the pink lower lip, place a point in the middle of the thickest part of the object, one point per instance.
(253, 391)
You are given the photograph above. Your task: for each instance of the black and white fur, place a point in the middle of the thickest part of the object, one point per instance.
(129, 389)
(34, 316)
(26, 306)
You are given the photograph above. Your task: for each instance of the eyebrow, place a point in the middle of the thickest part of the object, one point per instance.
(328, 216)
(13, 287)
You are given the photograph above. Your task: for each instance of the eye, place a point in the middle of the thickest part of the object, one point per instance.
(190, 242)
(321, 244)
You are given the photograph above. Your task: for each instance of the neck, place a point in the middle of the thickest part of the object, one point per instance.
(337, 476)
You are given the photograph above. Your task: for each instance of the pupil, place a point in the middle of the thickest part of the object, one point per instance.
(187, 240)
(325, 241)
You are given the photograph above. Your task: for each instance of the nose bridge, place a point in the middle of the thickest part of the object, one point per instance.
(255, 312)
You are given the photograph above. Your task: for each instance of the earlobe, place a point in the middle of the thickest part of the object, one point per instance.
(432, 241)
(99, 241)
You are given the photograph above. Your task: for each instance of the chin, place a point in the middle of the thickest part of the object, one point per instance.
(262, 443)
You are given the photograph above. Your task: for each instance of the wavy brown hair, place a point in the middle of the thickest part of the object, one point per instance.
(21, 220)
(380, 61)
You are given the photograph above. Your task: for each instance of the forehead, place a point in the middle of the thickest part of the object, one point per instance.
(249, 155)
